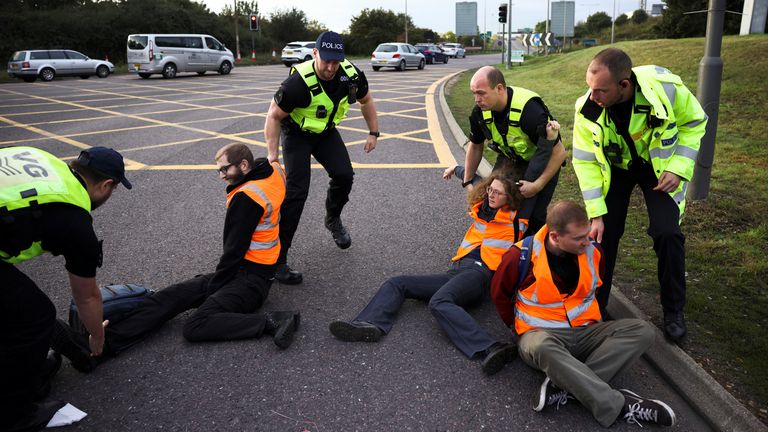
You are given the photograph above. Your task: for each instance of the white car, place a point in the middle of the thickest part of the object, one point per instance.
(455, 50)
(297, 52)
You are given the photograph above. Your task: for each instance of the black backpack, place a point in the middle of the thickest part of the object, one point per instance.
(118, 301)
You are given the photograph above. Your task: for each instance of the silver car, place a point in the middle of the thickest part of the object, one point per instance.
(48, 64)
(169, 54)
(397, 55)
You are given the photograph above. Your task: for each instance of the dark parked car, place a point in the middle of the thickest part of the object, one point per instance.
(48, 64)
(433, 53)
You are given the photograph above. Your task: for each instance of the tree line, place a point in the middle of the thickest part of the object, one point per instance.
(100, 28)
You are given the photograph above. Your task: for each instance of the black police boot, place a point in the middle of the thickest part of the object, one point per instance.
(50, 368)
(36, 417)
(288, 276)
(74, 346)
(281, 325)
(498, 355)
(674, 326)
(340, 234)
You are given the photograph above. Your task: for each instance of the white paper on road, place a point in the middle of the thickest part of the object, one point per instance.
(67, 415)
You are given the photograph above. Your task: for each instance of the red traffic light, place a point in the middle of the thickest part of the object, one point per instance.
(254, 22)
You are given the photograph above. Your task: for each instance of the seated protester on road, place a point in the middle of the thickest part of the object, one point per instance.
(228, 299)
(494, 228)
(45, 206)
(561, 333)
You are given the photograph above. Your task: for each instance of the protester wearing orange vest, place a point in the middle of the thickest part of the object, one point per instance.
(557, 317)
(228, 299)
(495, 227)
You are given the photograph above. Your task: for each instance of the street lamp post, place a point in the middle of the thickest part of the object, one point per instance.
(237, 33)
(406, 21)
(613, 22)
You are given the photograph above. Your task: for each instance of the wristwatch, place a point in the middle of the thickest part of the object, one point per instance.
(376, 134)
(466, 183)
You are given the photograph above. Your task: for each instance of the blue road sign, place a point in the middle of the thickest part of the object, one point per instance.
(536, 39)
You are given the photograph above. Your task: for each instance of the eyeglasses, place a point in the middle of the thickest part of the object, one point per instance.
(224, 169)
(493, 192)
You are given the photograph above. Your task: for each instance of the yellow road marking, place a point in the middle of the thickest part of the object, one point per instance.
(444, 154)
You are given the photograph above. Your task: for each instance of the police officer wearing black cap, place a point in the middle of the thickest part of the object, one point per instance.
(309, 105)
(45, 206)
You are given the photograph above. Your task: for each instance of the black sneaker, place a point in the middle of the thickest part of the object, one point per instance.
(548, 395)
(637, 410)
(498, 355)
(340, 234)
(288, 276)
(674, 326)
(355, 331)
(282, 325)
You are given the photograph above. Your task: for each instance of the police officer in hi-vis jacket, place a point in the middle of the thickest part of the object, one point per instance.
(638, 126)
(308, 106)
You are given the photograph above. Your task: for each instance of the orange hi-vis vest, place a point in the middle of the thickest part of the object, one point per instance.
(541, 305)
(269, 194)
(495, 236)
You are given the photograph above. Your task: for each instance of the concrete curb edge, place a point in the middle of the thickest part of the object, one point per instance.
(705, 395)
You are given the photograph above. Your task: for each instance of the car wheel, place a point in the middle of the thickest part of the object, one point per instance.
(376, 68)
(421, 64)
(169, 70)
(308, 58)
(225, 68)
(102, 71)
(85, 76)
(144, 75)
(47, 74)
(445, 60)
(29, 79)
(401, 66)
(201, 73)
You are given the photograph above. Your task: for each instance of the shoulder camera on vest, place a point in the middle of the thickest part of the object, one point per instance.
(352, 98)
(321, 112)
(613, 152)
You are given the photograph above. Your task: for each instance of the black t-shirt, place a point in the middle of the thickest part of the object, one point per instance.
(294, 93)
(63, 229)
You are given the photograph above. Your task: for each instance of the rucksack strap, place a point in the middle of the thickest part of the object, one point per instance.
(524, 263)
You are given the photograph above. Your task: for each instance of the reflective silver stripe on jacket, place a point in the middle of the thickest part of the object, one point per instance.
(504, 244)
(590, 298)
(263, 245)
(670, 90)
(524, 300)
(592, 193)
(583, 155)
(254, 188)
(539, 322)
(480, 226)
(680, 196)
(694, 123)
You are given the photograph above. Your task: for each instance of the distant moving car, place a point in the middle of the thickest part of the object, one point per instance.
(169, 54)
(397, 55)
(455, 50)
(48, 64)
(432, 53)
(297, 52)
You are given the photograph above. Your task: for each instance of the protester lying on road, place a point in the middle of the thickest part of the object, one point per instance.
(227, 300)
(495, 227)
(554, 310)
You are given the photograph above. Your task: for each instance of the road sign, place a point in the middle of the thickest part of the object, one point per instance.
(516, 56)
(488, 34)
(525, 39)
(547, 40)
(536, 39)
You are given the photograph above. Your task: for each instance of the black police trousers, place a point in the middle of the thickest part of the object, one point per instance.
(329, 150)
(227, 314)
(27, 318)
(663, 227)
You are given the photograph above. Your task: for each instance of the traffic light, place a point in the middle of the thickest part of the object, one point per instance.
(503, 13)
(254, 22)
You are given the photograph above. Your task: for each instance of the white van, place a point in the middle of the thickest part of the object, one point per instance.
(169, 54)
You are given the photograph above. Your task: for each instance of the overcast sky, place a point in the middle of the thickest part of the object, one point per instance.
(438, 15)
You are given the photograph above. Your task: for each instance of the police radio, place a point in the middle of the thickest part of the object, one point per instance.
(352, 97)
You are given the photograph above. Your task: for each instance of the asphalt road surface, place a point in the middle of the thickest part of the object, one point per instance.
(403, 219)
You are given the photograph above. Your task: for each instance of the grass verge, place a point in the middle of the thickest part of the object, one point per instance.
(726, 234)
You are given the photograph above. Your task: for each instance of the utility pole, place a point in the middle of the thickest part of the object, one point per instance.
(546, 27)
(406, 21)
(708, 94)
(237, 33)
(509, 35)
(613, 22)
